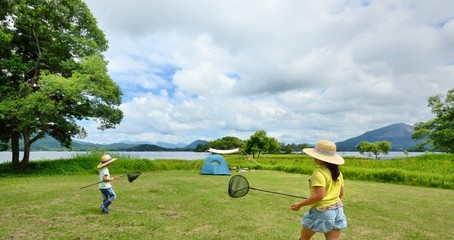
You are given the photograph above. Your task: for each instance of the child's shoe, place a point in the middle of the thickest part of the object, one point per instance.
(104, 209)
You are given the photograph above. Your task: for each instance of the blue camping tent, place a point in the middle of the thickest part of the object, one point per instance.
(215, 165)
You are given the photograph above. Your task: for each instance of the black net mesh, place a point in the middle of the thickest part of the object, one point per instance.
(133, 176)
(238, 186)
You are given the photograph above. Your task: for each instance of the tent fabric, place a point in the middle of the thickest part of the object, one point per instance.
(215, 165)
(229, 151)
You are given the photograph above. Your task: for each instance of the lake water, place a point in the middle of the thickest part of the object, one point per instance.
(53, 155)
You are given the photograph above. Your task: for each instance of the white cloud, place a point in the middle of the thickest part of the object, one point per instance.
(300, 70)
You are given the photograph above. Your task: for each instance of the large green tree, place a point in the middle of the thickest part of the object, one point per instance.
(438, 132)
(52, 73)
(226, 143)
(259, 143)
(292, 147)
(374, 148)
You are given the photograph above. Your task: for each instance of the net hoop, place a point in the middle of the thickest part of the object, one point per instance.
(238, 186)
(133, 176)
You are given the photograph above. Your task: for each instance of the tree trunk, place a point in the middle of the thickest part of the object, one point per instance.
(15, 148)
(27, 147)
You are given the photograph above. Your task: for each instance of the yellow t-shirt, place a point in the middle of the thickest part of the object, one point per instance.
(321, 177)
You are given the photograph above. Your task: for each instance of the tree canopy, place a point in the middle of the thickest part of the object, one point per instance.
(292, 147)
(52, 73)
(438, 132)
(259, 143)
(226, 143)
(230, 142)
(374, 148)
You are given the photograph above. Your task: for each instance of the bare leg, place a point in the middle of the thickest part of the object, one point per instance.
(306, 234)
(333, 235)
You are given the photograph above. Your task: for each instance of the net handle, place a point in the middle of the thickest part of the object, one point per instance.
(248, 187)
(102, 181)
(284, 194)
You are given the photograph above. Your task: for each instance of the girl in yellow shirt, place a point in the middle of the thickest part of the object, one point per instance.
(327, 188)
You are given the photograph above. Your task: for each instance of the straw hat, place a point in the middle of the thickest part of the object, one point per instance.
(325, 150)
(106, 159)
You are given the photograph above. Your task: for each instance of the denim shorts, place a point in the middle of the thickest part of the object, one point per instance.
(324, 221)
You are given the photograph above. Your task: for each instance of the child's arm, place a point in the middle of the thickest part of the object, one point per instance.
(319, 193)
(106, 179)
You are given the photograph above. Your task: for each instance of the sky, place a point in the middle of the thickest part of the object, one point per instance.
(300, 70)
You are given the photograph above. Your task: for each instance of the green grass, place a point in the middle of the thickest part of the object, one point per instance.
(86, 164)
(429, 170)
(181, 204)
(172, 201)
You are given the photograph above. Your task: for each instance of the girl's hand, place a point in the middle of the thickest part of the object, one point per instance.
(296, 206)
(116, 177)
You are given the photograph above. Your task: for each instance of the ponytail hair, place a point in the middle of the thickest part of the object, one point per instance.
(334, 169)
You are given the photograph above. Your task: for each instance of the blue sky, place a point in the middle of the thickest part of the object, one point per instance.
(300, 70)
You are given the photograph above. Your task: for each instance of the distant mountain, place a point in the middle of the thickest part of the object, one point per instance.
(399, 135)
(194, 144)
(112, 146)
(146, 148)
(155, 147)
(49, 143)
(170, 145)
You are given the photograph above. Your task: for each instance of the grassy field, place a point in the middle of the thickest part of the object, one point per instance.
(429, 170)
(181, 204)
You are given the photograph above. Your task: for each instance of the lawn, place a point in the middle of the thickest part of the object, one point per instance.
(181, 204)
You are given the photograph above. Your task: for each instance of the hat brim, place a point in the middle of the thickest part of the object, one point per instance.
(101, 165)
(335, 159)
